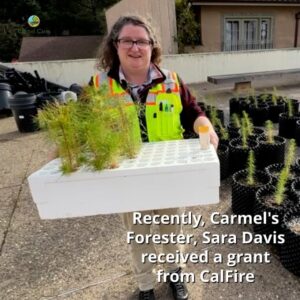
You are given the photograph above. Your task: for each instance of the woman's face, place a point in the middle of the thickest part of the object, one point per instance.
(134, 57)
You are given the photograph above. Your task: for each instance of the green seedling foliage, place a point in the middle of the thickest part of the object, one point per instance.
(274, 95)
(223, 131)
(244, 133)
(61, 123)
(130, 137)
(291, 154)
(285, 172)
(251, 168)
(96, 130)
(248, 123)
(236, 121)
(264, 96)
(102, 140)
(270, 132)
(281, 186)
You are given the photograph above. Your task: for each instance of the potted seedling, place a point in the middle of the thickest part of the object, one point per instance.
(239, 148)
(287, 121)
(276, 106)
(265, 97)
(275, 169)
(272, 148)
(258, 111)
(274, 202)
(289, 251)
(245, 183)
(252, 132)
(294, 103)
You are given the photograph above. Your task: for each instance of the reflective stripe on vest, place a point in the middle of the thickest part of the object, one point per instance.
(163, 106)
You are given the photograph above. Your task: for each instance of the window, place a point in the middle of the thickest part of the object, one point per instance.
(247, 33)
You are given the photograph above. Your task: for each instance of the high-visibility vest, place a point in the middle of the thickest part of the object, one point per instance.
(163, 105)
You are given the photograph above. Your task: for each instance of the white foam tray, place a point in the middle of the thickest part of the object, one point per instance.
(165, 174)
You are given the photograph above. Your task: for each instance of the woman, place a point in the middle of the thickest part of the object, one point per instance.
(130, 56)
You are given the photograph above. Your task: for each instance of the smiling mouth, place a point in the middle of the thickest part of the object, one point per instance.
(134, 56)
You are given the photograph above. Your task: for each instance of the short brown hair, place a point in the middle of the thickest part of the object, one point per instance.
(108, 56)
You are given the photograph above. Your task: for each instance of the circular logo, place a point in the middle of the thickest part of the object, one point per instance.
(33, 21)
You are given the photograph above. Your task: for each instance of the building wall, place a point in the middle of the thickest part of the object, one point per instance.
(212, 20)
(161, 14)
(192, 68)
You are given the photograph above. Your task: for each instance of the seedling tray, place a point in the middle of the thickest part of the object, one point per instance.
(163, 175)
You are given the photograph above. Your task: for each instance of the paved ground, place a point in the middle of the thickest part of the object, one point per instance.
(87, 258)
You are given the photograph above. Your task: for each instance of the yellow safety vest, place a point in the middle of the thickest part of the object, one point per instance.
(163, 106)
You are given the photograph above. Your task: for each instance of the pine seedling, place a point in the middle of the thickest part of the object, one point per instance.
(236, 121)
(130, 136)
(281, 185)
(62, 125)
(111, 131)
(291, 152)
(244, 133)
(101, 137)
(223, 132)
(270, 132)
(96, 130)
(248, 123)
(284, 174)
(264, 96)
(251, 168)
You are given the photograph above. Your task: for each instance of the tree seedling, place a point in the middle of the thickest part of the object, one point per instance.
(290, 107)
(97, 130)
(281, 185)
(248, 123)
(291, 153)
(284, 175)
(236, 121)
(270, 132)
(223, 132)
(264, 96)
(251, 168)
(61, 123)
(244, 134)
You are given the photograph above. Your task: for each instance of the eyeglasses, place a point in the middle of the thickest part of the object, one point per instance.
(127, 43)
